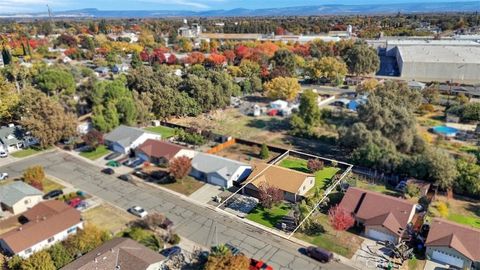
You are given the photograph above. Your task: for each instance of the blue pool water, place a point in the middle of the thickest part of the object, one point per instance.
(444, 130)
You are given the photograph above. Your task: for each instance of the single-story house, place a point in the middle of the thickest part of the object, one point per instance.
(102, 71)
(161, 152)
(218, 170)
(416, 85)
(294, 184)
(17, 197)
(279, 104)
(123, 139)
(119, 253)
(48, 222)
(384, 217)
(119, 68)
(453, 244)
(13, 138)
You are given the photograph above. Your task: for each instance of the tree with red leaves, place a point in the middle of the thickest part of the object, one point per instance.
(195, 58)
(145, 56)
(216, 59)
(180, 167)
(229, 55)
(269, 195)
(314, 165)
(172, 59)
(242, 51)
(340, 218)
(93, 138)
(280, 31)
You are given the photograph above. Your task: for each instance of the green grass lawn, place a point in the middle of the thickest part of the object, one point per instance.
(49, 185)
(96, 154)
(186, 186)
(322, 177)
(269, 217)
(466, 220)
(166, 132)
(26, 152)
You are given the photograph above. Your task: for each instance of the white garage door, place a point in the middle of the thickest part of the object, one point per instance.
(378, 235)
(447, 258)
(217, 181)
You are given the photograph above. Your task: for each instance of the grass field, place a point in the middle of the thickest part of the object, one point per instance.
(26, 152)
(268, 217)
(322, 177)
(186, 186)
(96, 154)
(108, 217)
(166, 132)
(459, 211)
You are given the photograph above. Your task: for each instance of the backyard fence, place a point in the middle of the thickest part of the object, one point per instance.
(222, 146)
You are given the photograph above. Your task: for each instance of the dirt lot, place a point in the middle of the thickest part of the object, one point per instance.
(9, 224)
(245, 153)
(108, 217)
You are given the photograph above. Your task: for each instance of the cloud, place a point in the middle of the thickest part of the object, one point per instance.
(29, 5)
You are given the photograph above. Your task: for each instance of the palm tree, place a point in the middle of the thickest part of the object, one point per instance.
(153, 242)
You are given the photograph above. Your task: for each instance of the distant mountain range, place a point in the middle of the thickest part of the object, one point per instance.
(334, 9)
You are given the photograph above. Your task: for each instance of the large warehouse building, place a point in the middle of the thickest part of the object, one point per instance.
(437, 60)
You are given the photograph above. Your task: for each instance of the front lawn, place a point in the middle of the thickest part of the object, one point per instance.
(49, 185)
(95, 154)
(166, 132)
(269, 217)
(322, 177)
(186, 186)
(459, 211)
(466, 220)
(108, 218)
(26, 152)
(342, 242)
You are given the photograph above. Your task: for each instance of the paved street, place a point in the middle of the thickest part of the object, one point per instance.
(199, 224)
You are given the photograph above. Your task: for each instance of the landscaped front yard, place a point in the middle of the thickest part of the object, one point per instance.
(95, 154)
(186, 186)
(322, 177)
(166, 132)
(342, 242)
(269, 217)
(108, 217)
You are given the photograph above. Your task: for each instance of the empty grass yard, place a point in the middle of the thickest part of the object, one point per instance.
(95, 154)
(186, 186)
(108, 217)
(322, 177)
(26, 152)
(269, 217)
(166, 132)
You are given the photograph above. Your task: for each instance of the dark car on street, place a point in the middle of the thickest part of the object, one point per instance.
(126, 177)
(168, 252)
(319, 254)
(108, 171)
(53, 194)
(113, 156)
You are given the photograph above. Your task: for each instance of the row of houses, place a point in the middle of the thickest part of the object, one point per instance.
(386, 218)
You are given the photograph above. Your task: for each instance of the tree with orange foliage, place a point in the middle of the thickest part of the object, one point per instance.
(180, 167)
(195, 58)
(216, 59)
(268, 48)
(340, 218)
(229, 55)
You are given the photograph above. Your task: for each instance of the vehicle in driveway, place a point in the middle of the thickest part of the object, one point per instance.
(132, 163)
(140, 175)
(138, 211)
(3, 176)
(113, 163)
(319, 254)
(108, 171)
(75, 202)
(113, 155)
(53, 194)
(126, 177)
(3, 154)
(259, 265)
(168, 252)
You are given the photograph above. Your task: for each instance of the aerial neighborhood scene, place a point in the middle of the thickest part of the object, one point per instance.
(239, 135)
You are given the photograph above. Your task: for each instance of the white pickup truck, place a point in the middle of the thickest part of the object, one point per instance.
(3, 176)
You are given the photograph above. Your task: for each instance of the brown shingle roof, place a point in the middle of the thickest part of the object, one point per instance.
(463, 239)
(46, 219)
(159, 149)
(122, 252)
(377, 209)
(279, 177)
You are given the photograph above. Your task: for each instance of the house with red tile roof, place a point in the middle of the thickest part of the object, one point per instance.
(453, 244)
(47, 223)
(384, 217)
(161, 152)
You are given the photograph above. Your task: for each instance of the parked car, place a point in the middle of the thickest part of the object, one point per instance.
(138, 211)
(319, 254)
(259, 265)
(3, 154)
(3, 176)
(126, 177)
(75, 202)
(108, 171)
(171, 251)
(402, 186)
(140, 174)
(113, 155)
(235, 251)
(113, 163)
(53, 194)
(136, 163)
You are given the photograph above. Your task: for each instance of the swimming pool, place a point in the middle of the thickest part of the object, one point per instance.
(446, 131)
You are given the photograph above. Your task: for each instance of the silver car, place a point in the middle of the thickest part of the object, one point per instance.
(138, 211)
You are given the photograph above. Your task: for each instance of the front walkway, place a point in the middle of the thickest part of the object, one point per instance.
(206, 193)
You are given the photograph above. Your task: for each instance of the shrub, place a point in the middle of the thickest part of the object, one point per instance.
(174, 240)
(34, 176)
(426, 108)
(264, 152)
(412, 190)
(190, 138)
(314, 165)
(442, 209)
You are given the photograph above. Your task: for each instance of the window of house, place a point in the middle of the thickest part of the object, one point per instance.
(303, 187)
(51, 239)
(28, 251)
(311, 181)
(71, 230)
(27, 201)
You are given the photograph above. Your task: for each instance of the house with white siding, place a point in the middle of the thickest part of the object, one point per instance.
(17, 197)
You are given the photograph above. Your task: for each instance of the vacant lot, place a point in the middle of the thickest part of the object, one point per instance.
(186, 186)
(245, 153)
(269, 217)
(96, 154)
(322, 177)
(341, 242)
(459, 211)
(108, 217)
(9, 224)
(166, 132)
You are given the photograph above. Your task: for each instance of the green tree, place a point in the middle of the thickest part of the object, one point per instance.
(6, 56)
(330, 68)
(60, 255)
(308, 109)
(38, 261)
(362, 59)
(441, 168)
(86, 239)
(15, 263)
(153, 242)
(282, 88)
(249, 68)
(431, 94)
(468, 180)
(54, 81)
(9, 100)
(264, 152)
(136, 61)
(285, 59)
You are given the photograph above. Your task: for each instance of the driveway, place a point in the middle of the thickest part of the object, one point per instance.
(206, 193)
(368, 255)
(431, 265)
(199, 224)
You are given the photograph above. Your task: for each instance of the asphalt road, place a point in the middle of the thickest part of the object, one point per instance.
(199, 224)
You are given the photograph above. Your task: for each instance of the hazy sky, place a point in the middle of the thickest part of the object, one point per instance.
(40, 5)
